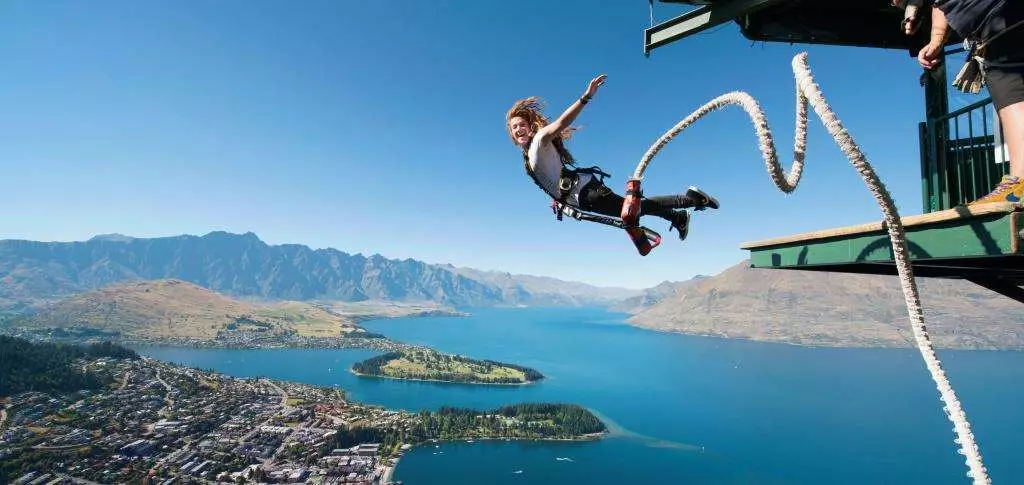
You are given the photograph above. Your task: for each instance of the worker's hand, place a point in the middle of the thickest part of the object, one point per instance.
(928, 57)
(594, 84)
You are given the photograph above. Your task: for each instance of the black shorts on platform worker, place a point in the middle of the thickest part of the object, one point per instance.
(1004, 61)
(1004, 69)
(997, 23)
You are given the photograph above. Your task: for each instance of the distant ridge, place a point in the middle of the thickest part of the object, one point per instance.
(653, 295)
(835, 309)
(177, 309)
(243, 266)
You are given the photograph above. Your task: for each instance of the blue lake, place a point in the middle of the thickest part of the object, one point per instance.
(683, 409)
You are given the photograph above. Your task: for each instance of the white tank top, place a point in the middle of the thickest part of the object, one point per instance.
(547, 166)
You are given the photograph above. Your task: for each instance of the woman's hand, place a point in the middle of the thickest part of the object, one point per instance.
(928, 57)
(572, 111)
(594, 84)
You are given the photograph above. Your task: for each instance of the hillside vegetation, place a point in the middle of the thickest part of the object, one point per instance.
(174, 308)
(45, 367)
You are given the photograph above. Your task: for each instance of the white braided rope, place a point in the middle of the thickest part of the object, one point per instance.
(808, 90)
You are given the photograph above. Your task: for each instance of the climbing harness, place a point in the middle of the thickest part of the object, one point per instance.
(971, 77)
(807, 91)
(645, 239)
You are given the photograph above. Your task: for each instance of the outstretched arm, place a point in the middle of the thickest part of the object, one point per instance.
(573, 111)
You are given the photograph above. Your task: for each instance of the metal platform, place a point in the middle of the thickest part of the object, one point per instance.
(983, 244)
(962, 153)
(864, 23)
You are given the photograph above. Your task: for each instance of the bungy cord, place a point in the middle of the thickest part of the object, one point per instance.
(808, 91)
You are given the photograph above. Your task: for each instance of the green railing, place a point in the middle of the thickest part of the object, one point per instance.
(960, 160)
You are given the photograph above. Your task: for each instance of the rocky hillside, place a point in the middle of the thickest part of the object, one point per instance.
(653, 295)
(241, 265)
(174, 308)
(805, 307)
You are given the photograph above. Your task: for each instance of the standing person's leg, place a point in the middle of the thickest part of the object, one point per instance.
(1007, 90)
(1012, 118)
(1006, 86)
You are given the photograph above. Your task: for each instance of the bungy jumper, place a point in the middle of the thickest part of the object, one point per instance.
(644, 238)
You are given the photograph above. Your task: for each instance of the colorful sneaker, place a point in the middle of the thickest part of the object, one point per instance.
(1010, 189)
(681, 223)
(701, 200)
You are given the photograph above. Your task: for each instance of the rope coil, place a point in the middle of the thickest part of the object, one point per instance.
(807, 91)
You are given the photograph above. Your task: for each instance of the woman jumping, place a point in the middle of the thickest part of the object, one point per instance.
(546, 160)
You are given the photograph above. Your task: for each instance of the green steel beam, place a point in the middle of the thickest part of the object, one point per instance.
(990, 235)
(1004, 269)
(697, 20)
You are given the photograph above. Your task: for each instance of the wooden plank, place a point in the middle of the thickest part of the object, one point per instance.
(962, 212)
(992, 235)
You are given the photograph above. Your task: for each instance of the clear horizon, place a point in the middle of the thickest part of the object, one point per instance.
(379, 129)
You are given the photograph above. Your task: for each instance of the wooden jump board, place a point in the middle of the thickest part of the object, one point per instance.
(958, 214)
(981, 242)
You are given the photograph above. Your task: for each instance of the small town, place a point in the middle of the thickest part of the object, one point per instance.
(224, 339)
(169, 424)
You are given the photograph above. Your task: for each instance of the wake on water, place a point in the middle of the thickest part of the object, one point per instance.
(615, 430)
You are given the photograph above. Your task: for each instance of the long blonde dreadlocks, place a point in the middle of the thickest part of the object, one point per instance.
(530, 109)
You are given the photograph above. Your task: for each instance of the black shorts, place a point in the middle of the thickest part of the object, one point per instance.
(1005, 85)
(1005, 82)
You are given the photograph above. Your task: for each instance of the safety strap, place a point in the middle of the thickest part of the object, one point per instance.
(971, 77)
(565, 182)
(985, 44)
(643, 238)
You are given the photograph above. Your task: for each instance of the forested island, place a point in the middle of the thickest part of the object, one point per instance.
(426, 364)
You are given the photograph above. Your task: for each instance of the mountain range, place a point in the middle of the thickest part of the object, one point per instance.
(834, 309)
(33, 273)
(798, 307)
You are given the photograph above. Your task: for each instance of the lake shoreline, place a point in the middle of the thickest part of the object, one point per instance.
(345, 340)
(849, 344)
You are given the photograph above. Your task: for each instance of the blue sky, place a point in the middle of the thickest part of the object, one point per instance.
(378, 127)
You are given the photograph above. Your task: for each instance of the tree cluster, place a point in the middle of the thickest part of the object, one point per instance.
(44, 367)
(530, 421)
